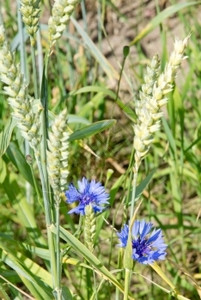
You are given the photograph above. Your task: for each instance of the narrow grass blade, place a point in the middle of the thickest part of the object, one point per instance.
(161, 17)
(142, 186)
(159, 271)
(3, 294)
(91, 129)
(19, 161)
(99, 89)
(170, 137)
(77, 120)
(25, 267)
(95, 88)
(3, 170)
(5, 136)
(91, 258)
(104, 64)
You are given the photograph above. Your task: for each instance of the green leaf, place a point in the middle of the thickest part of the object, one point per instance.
(142, 186)
(44, 93)
(77, 119)
(99, 89)
(5, 136)
(28, 269)
(19, 161)
(2, 170)
(171, 10)
(91, 129)
(91, 258)
(93, 104)
(127, 110)
(170, 137)
(3, 294)
(95, 88)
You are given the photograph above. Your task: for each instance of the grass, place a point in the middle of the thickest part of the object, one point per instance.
(36, 247)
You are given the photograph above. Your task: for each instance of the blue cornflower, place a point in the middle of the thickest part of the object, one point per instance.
(147, 243)
(92, 193)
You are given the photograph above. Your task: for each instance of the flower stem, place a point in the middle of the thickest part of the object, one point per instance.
(135, 174)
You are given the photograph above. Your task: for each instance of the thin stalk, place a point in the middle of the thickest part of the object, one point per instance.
(127, 283)
(35, 77)
(128, 251)
(48, 222)
(58, 250)
(40, 57)
(50, 213)
(24, 72)
(42, 166)
(134, 185)
(117, 292)
(95, 284)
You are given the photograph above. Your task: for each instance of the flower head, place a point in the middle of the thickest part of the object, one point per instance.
(88, 193)
(147, 243)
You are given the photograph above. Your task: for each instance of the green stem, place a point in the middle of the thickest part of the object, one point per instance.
(24, 72)
(48, 222)
(127, 283)
(134, 185)
(95, 285)
(33, 58)
(58, 250)
(117, 292)
(42, 166)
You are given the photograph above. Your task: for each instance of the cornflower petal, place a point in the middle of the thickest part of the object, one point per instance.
(147, 243)
(123, 236)
(72, 194)
(88, 193)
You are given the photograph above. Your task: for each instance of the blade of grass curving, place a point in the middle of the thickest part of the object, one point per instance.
(159, 271)
(31, 287)
(39, 281)
(3, 294)
(91, 129)
(104, 64)
(170, 137)
(38, 251)
(31, 269)
(3, 170)
(142, 186)
(66, 294)
(77, 120)
(95, 102)
(91, 258)
(127, 110)
(14, 287)
(161, 17)
(5, 136)
(19, 161)
(27, 219)
(92, 88)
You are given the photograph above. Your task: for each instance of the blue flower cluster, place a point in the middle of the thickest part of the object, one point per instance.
(88, 193)
(147, 243)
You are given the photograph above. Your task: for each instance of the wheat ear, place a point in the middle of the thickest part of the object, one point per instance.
(26, 111)
(153, 97)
